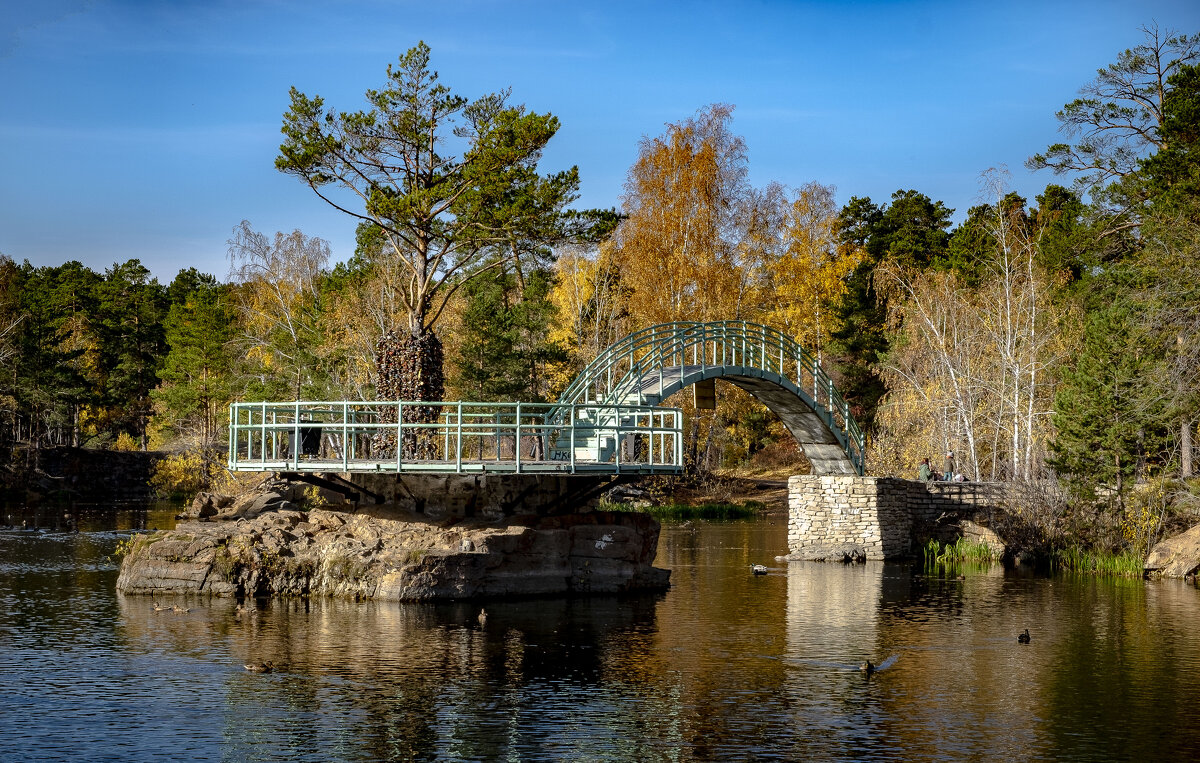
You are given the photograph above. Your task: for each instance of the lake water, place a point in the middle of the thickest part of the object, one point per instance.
(724, 666)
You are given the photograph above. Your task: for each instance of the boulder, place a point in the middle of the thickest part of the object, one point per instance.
(206, 505)
(629, 495)
(252, 505)
(845, 553)
(1177, 557)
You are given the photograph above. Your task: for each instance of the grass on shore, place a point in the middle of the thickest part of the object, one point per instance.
(1075, 559)
(679, 512)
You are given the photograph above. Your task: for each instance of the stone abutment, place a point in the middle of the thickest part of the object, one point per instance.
(844, 517)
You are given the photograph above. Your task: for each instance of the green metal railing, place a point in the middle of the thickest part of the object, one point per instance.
(463, 437)
(626, 372)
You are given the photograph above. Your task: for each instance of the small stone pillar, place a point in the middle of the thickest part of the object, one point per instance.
(839, 517)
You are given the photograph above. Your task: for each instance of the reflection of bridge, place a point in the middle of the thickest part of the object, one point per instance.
(608, 421)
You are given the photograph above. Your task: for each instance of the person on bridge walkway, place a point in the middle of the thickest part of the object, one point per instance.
(949, 466)
(925, 473)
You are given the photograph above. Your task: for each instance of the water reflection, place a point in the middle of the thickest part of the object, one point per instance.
(91, 517)
(833, 612)
(404, 680)
(726, 665)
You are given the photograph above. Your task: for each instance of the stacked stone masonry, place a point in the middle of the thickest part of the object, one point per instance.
(851, 517)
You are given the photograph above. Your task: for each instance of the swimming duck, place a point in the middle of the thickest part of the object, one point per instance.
(259, 667)
(1024, 637)
(758, 569)
(160, 608)
(179, 609)
(482, 618)
(867, 667)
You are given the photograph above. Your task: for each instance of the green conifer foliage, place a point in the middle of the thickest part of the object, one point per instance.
(196, 374)
(1173, 174)
(1101, 410)
(128, 324)
(504, 345)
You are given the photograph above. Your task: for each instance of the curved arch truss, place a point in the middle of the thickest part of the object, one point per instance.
(650, 365)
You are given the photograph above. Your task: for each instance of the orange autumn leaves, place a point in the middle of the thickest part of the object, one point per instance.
(699, 243)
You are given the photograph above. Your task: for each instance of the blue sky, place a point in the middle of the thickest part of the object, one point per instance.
(149, 129)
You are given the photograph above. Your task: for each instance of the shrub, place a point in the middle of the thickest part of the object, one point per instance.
(125, 442)
(183, 474)
(313, 498)
(180, 475)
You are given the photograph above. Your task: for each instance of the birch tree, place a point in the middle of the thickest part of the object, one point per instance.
(591, 302)
(805, 280)
(973, 369)
(278, 298)
(677, 248)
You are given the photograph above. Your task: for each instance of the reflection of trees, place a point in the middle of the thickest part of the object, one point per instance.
(956, 691)
(708, 679)
(404, 681)
(93, 517)
(1120, 668)
(833, 618)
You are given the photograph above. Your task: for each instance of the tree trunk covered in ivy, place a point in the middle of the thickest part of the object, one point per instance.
(410, 368)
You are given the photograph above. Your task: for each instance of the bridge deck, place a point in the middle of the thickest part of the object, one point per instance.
(437, 466)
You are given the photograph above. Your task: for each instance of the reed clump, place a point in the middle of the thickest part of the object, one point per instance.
(1077, 559)
(961, 551)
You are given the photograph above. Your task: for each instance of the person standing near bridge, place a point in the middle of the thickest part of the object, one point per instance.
(949, 473)
(925, 473)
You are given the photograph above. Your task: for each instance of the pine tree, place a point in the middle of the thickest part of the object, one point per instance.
(196, 378)
(128, 325)
(1101, 416)
(504, 345)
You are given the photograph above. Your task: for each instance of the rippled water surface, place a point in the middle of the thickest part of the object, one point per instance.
(724, 666)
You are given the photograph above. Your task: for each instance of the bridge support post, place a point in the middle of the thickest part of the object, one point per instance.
(846, 517)
(455, 496)
(836, 517)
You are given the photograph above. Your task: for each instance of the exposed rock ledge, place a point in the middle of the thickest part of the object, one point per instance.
(270, 547)
(1177, 557)
(846, 553)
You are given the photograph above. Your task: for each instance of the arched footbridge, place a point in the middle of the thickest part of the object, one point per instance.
(607, 421)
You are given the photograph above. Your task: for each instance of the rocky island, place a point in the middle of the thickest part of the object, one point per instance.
(268, 543)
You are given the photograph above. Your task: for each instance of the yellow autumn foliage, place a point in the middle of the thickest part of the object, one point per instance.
(802, 283)
(183, 474)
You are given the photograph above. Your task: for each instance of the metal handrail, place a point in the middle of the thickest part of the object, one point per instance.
(619, 373)
(473, 437)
